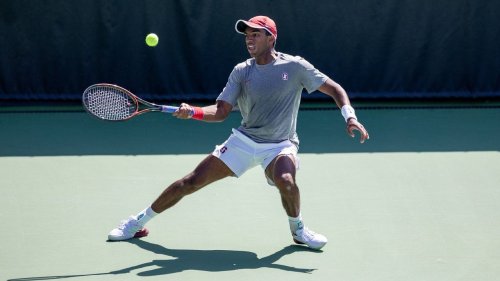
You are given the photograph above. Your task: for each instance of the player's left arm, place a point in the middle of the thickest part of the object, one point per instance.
(339, 95)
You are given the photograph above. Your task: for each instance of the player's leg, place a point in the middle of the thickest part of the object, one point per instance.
(209, 170)
(282, 171)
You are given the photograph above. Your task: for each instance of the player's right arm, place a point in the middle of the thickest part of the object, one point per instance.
(217, 112)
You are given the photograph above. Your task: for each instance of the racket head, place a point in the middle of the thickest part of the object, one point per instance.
(110, 102)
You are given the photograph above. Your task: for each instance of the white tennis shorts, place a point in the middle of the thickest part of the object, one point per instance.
(240, 153)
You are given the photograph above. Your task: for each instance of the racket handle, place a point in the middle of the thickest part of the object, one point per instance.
(168, 108)
(172, 109)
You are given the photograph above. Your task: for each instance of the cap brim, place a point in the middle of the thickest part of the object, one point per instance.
(241, 25)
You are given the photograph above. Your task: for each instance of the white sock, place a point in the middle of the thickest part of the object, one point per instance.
(146, 215)
(295, 223)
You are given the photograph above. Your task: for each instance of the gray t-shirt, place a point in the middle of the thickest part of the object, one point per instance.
(268, 96)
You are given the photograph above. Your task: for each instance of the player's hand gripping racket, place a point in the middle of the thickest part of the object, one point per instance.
(114, 103)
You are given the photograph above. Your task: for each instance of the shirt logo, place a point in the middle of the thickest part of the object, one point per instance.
(284, 76)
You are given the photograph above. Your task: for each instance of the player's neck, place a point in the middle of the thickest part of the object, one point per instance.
(266, 57)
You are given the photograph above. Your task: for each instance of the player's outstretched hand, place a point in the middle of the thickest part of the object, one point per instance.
(354, 125)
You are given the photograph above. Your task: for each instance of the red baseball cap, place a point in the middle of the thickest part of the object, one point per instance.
(259, 22)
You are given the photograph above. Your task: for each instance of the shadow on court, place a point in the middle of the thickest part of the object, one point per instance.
(320, 131)
(201, 260)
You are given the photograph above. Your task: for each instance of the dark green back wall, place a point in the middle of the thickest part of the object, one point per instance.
(54, 49)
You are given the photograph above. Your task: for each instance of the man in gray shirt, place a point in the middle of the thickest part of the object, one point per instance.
(267, 90)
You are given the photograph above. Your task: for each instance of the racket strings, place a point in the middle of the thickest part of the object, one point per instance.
(109, 103)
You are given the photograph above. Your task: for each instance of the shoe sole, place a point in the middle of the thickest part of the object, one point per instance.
(141, 233)
(302, 243)
(298, 242)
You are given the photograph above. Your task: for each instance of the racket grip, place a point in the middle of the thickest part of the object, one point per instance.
(168, 108)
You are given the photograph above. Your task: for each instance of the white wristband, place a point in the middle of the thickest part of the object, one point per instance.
(348, 112)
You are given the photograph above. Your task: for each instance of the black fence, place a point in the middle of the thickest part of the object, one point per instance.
(54, 49)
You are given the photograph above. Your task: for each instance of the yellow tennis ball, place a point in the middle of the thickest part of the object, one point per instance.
(152, 40)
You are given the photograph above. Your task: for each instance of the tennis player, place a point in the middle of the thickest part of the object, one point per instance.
(267, 89)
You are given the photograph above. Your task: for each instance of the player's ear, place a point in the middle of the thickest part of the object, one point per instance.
(271, 39)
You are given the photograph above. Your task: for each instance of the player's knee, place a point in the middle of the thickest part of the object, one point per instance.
(285, 182)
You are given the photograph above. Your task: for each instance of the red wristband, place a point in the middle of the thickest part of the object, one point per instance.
(197, 113)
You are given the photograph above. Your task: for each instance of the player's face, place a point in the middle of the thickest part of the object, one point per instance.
(258, 43)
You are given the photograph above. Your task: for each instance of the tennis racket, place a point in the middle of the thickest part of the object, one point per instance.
(114, 103)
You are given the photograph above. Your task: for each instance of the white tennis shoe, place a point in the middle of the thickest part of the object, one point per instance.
(308, 237)
(127, 229)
